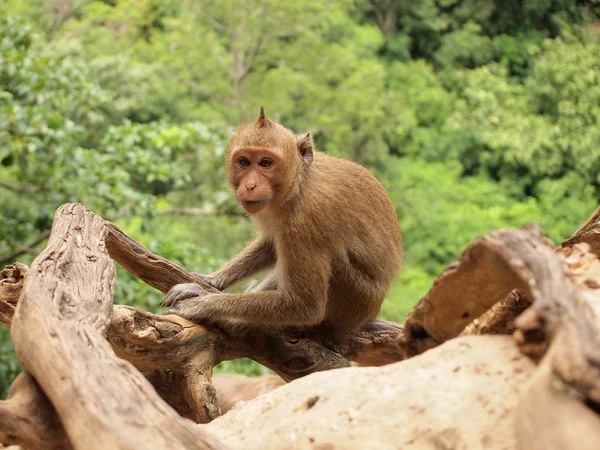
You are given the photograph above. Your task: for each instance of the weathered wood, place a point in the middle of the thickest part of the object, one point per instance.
(565, 314)
(155, 343)
(158, 343)
(12, 278)
(233, 389)
(178, 356)
(588, 233)
(28, 419)
(488, 270)
(500, 318)
(551, 417)
(58, 332)
(153, 270)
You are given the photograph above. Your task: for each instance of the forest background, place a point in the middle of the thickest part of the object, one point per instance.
(475, 114)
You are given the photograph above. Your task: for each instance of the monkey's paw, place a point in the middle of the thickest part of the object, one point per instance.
(201, 311)
(181, 292)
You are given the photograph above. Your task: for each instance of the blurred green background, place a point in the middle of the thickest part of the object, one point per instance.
(475, 114)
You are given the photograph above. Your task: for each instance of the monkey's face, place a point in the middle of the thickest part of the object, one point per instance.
(257, 177)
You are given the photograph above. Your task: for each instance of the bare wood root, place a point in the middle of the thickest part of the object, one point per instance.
(58, 332)
(551, 415)
(155, 344)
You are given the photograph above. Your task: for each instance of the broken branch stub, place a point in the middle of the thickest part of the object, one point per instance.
(12, 278)
(488, 270)
(58, 332)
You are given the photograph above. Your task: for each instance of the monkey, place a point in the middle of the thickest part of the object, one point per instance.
(233, 388)
(327, 230)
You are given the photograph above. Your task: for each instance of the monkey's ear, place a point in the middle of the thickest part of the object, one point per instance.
(306, 147)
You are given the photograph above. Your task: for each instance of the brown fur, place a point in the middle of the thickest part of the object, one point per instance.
(326, 228)
(233, 388)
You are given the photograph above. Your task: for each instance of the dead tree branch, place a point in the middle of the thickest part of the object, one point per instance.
(589, 233)
(66, 309)
(27, 248)
(58, 331)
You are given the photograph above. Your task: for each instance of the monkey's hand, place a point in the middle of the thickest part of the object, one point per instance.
(181, 292)
(203, 311)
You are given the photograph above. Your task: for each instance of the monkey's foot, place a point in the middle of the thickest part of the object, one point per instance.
(181, 292)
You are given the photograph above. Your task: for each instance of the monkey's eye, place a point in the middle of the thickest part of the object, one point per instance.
(244, 162)
(265, 163)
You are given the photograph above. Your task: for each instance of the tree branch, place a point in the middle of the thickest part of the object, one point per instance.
(59, 336)
(27, 248)
(28, 419)
(20, 189)
(193, 212)
(177, 356)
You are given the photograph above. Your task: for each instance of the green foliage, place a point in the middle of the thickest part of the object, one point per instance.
(465, 47)
(475, 114)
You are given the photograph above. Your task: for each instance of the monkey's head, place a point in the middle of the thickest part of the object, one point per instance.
(266, 163)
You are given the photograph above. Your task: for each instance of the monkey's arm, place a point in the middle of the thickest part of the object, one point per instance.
(257, 256)
(300, 299)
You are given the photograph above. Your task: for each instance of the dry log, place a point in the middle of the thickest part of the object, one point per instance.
(58, 332)
(12, 278)
(177, 356)
(488, 270)
(460, 395)
(28, 419)
(500, 318)
(560, 408)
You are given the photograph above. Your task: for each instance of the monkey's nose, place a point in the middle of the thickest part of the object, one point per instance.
(251, 187)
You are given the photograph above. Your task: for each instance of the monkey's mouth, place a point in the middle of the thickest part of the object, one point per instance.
(254, 206)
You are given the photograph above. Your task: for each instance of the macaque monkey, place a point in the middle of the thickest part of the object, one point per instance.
(233, 388)
(326, 229)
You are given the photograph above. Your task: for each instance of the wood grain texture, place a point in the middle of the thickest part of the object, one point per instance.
(59, 335)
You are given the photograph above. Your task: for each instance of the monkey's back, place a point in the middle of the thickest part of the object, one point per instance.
(352, 216)
(353, 200)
